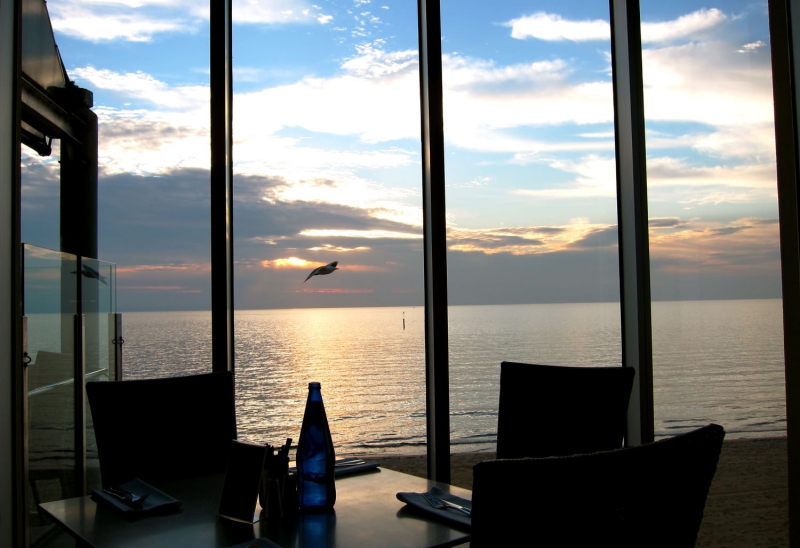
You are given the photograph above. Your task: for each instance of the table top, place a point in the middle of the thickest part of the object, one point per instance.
(367, 513)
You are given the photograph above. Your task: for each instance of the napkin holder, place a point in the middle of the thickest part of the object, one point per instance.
(240, 490)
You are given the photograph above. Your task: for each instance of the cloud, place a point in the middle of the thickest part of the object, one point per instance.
(164, 268)
(365, 234)
(553, 28)
(678, 89)
(596, 178)
(85, 24)
(704, 247)
(260, 12)
(143, 87)
(338, 249)
(685, 26)
(482, 102)
(747, 248)
(579, 234)
(668, 180)
(665, 222)
(150, 143)
(673, 180)
(144, 20)
(169, 288)
(486, 104)
(372, 98)
(123, 20)
(752, 46)
(362, 268)
(302, 264)
(304, 224)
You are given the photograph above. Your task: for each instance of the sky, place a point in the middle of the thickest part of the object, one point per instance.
(327, 151)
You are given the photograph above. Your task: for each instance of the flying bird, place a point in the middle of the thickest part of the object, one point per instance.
(322, 270)
(90, 272)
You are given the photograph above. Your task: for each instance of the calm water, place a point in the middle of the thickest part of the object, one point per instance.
(715, 361)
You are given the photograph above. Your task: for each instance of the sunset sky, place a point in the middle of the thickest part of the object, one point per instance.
(327, 151)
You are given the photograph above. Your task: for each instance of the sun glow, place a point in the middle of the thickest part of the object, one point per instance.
(290, 262)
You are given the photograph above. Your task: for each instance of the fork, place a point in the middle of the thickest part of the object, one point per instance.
(441, 503)
(131, 499)
(350, 462)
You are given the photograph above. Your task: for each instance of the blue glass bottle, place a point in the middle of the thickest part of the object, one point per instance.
(316, 489)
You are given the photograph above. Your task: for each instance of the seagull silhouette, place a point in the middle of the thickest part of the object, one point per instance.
(322, 270)
(90, 272)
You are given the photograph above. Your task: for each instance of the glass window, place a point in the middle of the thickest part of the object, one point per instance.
(327, 170)
(151, 203)
(531, 197)
(146, 64)
(714, 242)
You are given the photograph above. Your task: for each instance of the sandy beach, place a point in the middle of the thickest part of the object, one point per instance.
(747, 506)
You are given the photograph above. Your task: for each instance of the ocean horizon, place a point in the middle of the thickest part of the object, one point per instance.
(714, 361)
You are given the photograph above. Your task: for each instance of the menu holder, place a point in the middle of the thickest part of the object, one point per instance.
(242, 479)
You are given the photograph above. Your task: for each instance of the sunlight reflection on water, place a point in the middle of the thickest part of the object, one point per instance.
(715, 361)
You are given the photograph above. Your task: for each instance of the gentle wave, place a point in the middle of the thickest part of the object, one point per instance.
(714, 361)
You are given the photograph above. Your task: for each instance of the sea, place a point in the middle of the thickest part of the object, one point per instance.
(714, 361)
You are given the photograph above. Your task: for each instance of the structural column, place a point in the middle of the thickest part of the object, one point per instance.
(79, 177)
(435, 241)
(79, 164)
(221, 187)
(634, 249)
(784, 19)
(13, 513)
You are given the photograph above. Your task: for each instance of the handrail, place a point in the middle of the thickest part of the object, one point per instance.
(68, 381)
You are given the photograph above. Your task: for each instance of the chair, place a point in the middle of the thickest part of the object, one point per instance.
(548, 410)
(163, 429)
(650, 495)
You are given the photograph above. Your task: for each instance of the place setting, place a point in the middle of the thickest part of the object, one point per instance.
(136, 498)
(440, 505)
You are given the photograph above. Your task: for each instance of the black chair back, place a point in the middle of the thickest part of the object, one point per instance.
(548, 410)
(651, 495)
(163, 429)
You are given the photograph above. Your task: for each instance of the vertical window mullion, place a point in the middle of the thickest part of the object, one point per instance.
(221, 186)
(14, 518)
(435, 242)
(782, 15)
(634, 252)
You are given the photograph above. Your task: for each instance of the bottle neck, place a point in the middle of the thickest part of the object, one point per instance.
(314, 393)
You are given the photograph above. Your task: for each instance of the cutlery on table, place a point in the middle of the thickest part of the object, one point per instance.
(350, 462)
(131, 499)
(444, 504)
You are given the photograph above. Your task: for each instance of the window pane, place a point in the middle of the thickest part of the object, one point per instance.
(531, 197)
(714, 243)
(327, 169)
(147, 66)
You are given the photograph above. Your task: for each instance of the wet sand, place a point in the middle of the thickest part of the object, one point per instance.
(747, 506)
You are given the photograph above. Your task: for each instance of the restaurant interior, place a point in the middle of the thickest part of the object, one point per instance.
(40, 103)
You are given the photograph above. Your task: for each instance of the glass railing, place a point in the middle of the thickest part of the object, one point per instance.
(64, 295)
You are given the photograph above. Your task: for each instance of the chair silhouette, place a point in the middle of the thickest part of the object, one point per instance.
(163, 429)
(651, 495)
(548, 410)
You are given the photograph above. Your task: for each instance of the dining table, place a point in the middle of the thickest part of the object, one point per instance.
(366, 513)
